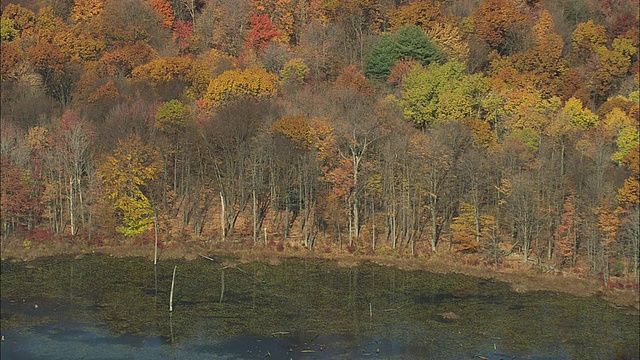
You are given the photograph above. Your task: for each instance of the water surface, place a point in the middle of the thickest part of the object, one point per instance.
(99, 307)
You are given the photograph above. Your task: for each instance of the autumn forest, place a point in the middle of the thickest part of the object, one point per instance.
(488, 129)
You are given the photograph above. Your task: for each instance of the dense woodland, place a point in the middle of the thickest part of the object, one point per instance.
(481, 127)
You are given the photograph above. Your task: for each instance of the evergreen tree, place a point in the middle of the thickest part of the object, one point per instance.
(409, 43)
(413, 43)
(383, 56)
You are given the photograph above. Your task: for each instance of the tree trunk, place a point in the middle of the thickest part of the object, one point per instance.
(72, 214)
(373, 225)
(434, 227)
(254, 215)
(223, 217)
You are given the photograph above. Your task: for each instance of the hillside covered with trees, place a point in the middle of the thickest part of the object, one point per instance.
(480, 127)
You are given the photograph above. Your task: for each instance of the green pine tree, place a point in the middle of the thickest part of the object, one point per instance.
(413, 43)
(383, 56)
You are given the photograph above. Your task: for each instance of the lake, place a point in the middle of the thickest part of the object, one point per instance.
(101, 307)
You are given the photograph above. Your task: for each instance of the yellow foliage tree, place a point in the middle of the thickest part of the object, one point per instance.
(126, 176)
(235, 84)
(614, 63)
(470, 230)
(578, 115)
(449, 40)
(608, 226)
(164, 10)
(420, 13)
(543, 26)
(629, 194)
(85, 10)
(295, 70)
(78, 44)
(565, 237)
(163, 70)
(194, 74)
(463, 230)
(587, 37)
(37, 138)
(297, 129)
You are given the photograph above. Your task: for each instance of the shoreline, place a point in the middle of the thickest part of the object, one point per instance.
(521, 277)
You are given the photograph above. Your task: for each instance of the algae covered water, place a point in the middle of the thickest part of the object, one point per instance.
(100, 307)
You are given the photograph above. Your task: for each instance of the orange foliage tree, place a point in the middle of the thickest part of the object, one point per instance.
(565, 237)
(424, 13)
(164, 9)
(493, 20)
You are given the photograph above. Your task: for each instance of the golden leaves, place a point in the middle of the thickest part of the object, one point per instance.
(543, 26)
(125, 175)
(449, 40)
(578, 115)
(172, 117)
(296, 128)
(163, 70)
(629, 194)
(37, 138)
(85, 10)
(589, 36)
(235, 84)
(295, 70)
(420, 13)
(78, 44)
(565, 235)
(106, 91)
(469, 230)
(608, 224)
(463, 232)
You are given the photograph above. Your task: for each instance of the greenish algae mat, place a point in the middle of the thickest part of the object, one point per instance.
(100, 307)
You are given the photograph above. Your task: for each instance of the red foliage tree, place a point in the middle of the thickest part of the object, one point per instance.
(262, 32)
(182, 33)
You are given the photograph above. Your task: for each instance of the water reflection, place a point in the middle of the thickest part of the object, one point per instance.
(105, 308)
